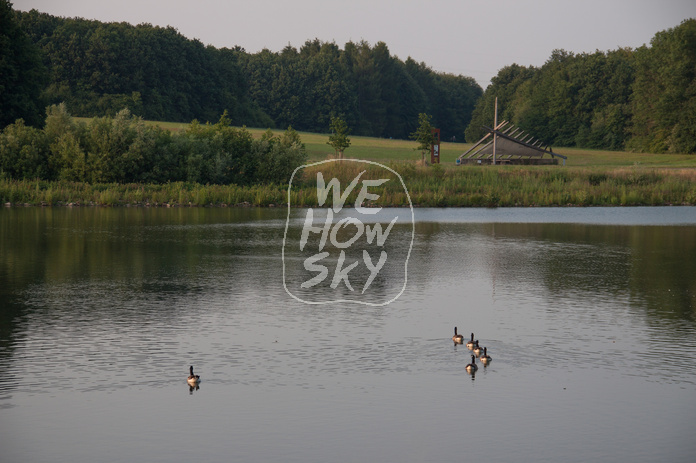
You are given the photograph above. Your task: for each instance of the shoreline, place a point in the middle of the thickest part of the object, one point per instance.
(422, 187)
(276, 206)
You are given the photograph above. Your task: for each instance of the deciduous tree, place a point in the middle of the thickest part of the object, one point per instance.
(424, 135)
(22, 74)
(339, 136)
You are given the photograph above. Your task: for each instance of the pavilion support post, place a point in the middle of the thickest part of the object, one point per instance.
(495, 124)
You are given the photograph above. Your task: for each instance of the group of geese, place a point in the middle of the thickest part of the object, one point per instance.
(481, 353)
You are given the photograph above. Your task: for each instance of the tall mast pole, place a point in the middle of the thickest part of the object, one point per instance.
(495, 127)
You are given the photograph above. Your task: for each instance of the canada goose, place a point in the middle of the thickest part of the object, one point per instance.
(485, 358)
(472, 366)
(193, 379)
(477, 349)
(457, 338)
(470, 344)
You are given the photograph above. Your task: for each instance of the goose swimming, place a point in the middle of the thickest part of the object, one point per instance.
(458, 338)
(193, 379)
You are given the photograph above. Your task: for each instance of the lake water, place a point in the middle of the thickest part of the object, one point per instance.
(589, 315)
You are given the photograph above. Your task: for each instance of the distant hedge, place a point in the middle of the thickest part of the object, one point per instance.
(123, 149)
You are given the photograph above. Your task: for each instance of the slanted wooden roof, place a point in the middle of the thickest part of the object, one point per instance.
(511, 143)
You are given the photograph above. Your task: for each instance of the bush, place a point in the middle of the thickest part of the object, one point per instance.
(123, 149)
(24, 152)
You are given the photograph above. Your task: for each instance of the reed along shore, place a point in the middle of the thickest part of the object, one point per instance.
(427, 186)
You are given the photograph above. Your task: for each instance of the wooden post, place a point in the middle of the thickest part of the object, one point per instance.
(435, 147)
(495, 124)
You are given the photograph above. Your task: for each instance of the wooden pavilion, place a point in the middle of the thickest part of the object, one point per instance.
(507, 144)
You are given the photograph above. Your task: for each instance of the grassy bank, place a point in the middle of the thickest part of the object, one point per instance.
(590, 178)
(427, 187)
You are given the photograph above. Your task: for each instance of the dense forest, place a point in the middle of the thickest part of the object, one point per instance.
(376, 93)
(626, 99)
(99, 68)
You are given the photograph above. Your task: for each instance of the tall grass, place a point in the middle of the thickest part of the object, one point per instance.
(427, 187)
(524, 185)
(177, 194)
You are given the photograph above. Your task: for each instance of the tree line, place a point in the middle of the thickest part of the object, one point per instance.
(99, 68)
(376, 93)
(626, 99)
(123, 149)
(640, 99)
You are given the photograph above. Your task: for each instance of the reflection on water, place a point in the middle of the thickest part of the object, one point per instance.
(591, 324)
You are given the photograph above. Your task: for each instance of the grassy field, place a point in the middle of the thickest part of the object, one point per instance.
(381, 149)
(590, 178)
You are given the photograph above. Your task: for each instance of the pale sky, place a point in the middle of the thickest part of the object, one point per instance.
(474, 38)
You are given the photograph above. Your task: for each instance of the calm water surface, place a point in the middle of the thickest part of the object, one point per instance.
(589, 315)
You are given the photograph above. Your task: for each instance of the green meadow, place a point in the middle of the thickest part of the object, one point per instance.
(380, 149)
(589, 178)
